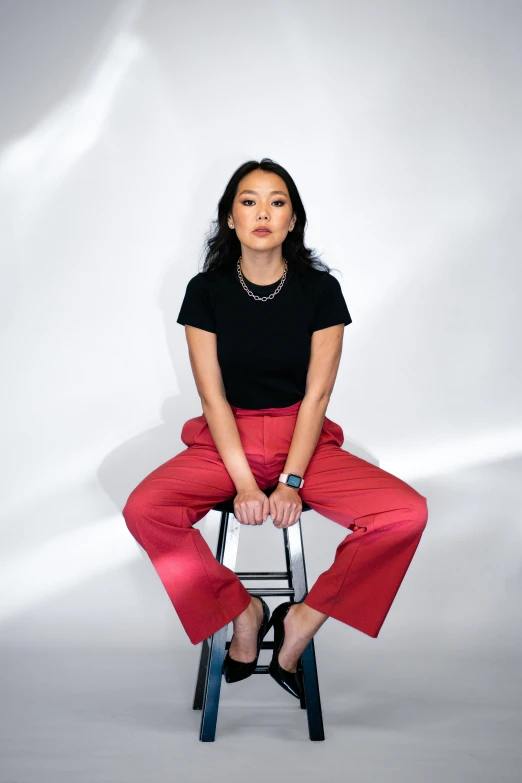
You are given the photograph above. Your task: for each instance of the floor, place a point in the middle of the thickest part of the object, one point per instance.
(126, 716)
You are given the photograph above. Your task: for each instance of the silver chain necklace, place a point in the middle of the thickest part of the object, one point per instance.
(251, 293)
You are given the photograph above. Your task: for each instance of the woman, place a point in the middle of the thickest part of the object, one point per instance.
(264, 323)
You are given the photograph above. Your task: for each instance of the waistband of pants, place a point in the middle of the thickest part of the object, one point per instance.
(289, 410)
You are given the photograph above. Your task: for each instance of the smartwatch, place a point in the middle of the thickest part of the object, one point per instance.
(292, 480)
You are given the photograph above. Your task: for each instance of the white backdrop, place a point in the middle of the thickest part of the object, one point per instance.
(121, 124)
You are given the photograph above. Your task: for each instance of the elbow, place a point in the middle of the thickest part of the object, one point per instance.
(319, 396)
(210, 401)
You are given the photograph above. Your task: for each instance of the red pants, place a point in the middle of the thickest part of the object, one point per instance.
(386, 514)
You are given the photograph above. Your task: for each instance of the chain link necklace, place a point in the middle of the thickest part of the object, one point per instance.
(251, 293)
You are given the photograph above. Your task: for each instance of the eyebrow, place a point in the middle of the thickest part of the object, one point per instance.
(271, 192)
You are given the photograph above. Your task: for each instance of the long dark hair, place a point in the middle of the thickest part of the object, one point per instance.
(222, 245)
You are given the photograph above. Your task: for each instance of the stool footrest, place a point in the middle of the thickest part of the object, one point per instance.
(264, 645)
(265, 670)
(263, 574)
(257, 591)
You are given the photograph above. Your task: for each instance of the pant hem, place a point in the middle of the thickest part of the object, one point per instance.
(232, 614)
(355, 625)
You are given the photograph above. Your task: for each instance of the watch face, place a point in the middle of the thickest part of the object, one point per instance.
(293, 480)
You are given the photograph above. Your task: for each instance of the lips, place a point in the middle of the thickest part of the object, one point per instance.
(262, 231)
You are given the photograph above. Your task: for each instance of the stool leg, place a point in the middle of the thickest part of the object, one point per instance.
(313, 699)
(211, 668)
(202, 675)
(297, 570)
(213, 685)
(296, 574)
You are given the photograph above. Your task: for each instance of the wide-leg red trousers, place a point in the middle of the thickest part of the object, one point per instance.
(386, 515)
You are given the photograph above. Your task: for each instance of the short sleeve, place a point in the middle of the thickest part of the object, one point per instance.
(331, 305)
(196, 308)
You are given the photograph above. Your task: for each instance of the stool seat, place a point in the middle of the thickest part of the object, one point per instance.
(213, 650)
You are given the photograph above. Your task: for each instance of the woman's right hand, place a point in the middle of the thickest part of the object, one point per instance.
(251, 506)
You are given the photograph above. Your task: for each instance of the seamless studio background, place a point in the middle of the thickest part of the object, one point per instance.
(121, 124)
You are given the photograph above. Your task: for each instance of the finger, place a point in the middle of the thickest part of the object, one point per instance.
(244, 515)
(258, 515)
(286, 516)
(296, 513)
(266, 508)
(294, 517)
(278, 522)
(273, 510)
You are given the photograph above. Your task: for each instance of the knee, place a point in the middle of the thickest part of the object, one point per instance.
(134, 511)
(419, 508)
(133, 504)
(147, 507)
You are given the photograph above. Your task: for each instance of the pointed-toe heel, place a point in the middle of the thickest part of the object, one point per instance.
(234, 671)
(291, 681)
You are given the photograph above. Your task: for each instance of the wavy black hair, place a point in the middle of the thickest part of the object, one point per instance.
(222, 245)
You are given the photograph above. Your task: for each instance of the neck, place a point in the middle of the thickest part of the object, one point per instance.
(262, 274)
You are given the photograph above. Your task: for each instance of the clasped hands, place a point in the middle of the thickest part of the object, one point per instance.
(252, 506)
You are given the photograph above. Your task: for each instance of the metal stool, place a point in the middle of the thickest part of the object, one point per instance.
(208, 686)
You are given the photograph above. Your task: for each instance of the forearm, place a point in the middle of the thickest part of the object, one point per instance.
(307, 430)
(223, 428)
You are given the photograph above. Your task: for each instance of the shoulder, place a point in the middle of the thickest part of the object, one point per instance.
(209, 278)
(199, 280)
(197, 308)
(320, 279)
(313, 272)
(200, 284)
(198, 289)
(330, 282)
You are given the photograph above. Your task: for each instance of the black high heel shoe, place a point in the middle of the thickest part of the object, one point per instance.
(239, 670)
(290, 681)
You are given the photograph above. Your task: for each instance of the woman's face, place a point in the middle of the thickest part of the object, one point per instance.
(261, 201)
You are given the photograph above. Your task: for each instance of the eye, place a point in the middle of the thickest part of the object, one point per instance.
(251, 201)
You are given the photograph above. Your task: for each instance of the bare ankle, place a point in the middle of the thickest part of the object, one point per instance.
(305, 620)
(249, 614)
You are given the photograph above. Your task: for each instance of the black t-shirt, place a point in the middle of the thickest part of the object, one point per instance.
(264, 347)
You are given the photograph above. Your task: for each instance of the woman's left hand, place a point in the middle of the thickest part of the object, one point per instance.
(285, 505)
